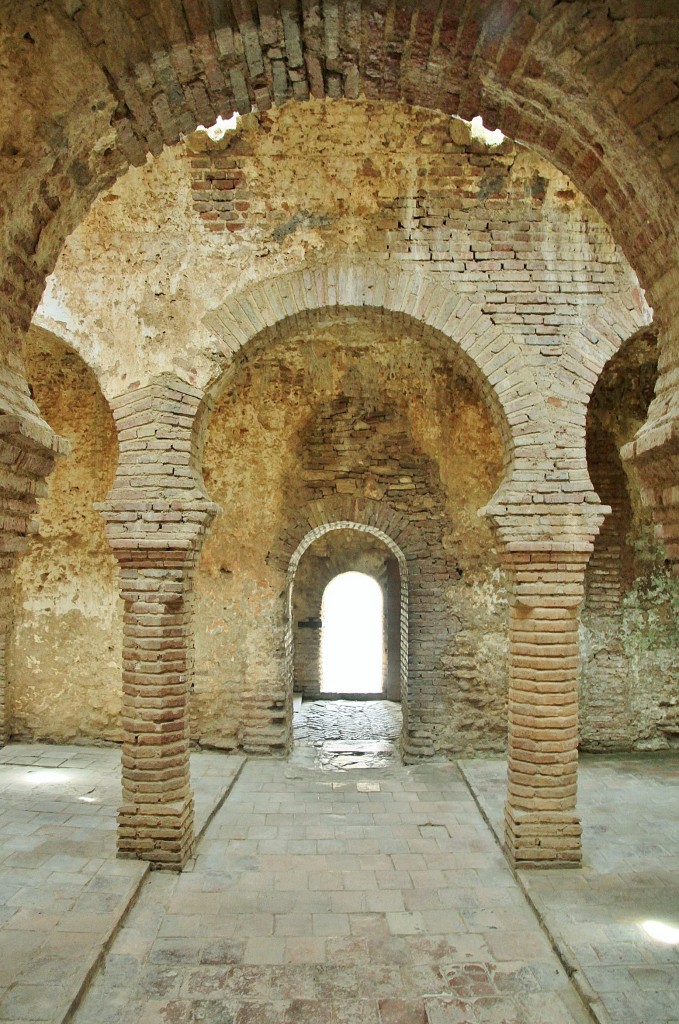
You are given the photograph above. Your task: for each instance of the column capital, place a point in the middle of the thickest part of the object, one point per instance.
(157, 510)
(563, 523)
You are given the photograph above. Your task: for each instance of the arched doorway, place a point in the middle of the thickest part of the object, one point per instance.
(352, 636)
(328, 554)
(348, 554)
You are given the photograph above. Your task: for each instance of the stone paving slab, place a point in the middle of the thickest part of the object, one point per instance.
(63, 892)
(376, 896)
(602, 917)
(368, 894)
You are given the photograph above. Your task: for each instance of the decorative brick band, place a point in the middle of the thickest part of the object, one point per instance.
(156, 517)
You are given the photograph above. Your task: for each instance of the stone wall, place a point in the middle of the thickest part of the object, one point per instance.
(478, 284)
(630, 663)
(66, 645)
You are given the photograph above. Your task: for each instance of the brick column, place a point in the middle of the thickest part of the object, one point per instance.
(546, 520)
(542, 827)
(156, 517)
(28, 451)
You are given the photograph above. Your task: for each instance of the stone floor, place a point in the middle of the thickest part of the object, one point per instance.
(63, 893)
(604, 916)
(339, 886)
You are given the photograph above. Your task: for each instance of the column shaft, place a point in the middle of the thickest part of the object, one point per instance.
(157, 516)
(156, 816)
(541, 823)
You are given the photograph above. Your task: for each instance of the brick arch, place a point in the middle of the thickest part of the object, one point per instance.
(405, 542)
(589, 350)
(322, 562)
(449, 321)
(563, 78)
(402, 537)
(107, 87)
(69, 337)
(402, 560)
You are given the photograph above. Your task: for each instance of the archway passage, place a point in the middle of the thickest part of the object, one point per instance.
(352, 636)
(331, 632)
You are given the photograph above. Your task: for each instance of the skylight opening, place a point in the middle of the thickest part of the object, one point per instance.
(221, 126)
(662, 932)
(483, 134)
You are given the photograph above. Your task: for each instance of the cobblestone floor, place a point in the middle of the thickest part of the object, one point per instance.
(606, 914)
(344, 734)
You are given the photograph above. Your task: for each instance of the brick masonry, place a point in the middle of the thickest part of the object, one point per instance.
(129, 84)
(358, 446)
(156, 518)
(218, 189)
(545, 513)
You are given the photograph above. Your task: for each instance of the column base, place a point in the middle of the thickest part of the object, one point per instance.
(543, 839)
(162, 834)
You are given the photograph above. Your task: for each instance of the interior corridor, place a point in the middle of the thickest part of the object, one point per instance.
(352, 896)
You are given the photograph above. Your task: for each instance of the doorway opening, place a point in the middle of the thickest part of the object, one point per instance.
(334, 723)
(352, 655)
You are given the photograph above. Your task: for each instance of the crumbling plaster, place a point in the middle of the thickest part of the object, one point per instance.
(66, 643)
(352, 183)
(328, 182)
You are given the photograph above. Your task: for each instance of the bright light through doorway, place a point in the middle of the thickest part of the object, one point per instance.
(351, 639)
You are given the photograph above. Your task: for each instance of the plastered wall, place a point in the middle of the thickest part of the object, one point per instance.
(157, 266)
(66, 643)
